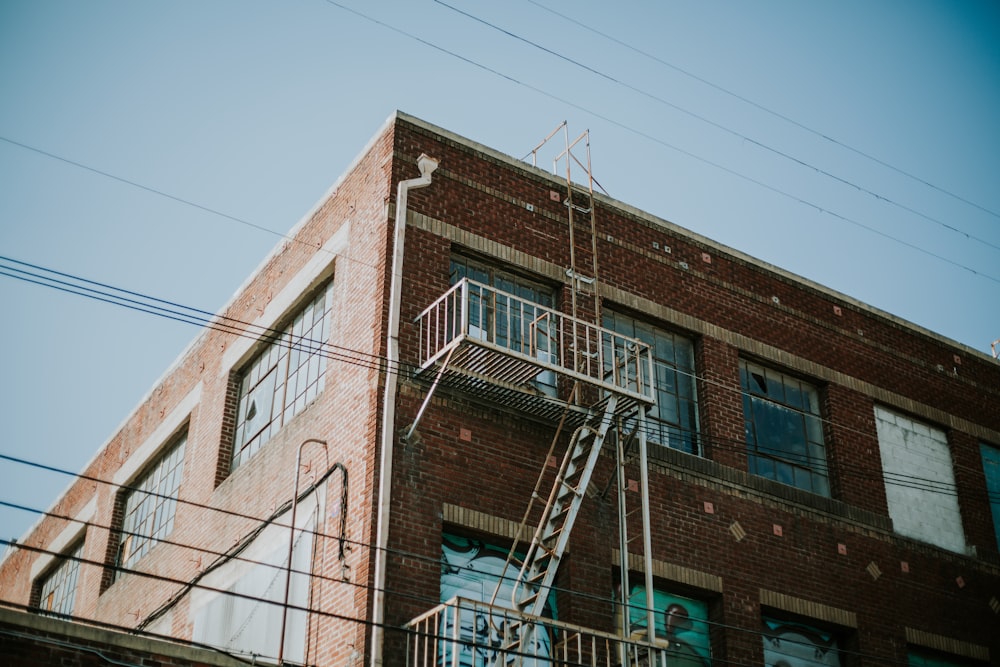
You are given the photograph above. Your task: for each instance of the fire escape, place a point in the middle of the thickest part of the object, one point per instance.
(483, 341)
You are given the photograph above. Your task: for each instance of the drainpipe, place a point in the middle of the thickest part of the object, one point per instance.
(427, 165)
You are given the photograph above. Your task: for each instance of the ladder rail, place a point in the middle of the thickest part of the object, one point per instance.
(538, 571)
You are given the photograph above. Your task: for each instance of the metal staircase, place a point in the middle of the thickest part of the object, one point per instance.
(538, 571)
(480, 340)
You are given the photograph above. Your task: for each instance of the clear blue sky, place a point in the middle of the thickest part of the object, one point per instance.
(253, 109)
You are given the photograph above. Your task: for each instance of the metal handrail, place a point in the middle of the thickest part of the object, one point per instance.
(459, 627)
(474, 312)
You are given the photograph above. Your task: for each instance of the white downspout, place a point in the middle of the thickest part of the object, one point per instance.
(427, 165)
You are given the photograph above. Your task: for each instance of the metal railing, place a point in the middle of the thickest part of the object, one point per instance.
(468, 633)
(555, 342)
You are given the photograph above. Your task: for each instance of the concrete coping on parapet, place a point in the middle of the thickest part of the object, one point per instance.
(71, 635)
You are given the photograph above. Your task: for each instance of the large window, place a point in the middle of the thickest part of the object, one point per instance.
(283, 378)
(57, 590)
(991, 469)
(505, 321)
(674, 420)
(784, 431)
(150, 506)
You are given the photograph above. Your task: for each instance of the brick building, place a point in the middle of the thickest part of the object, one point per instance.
(804, 480)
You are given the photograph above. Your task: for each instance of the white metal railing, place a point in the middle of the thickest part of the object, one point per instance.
(556, 342)
(469, 633)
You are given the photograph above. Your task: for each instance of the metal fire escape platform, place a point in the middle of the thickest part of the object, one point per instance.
(510, 351)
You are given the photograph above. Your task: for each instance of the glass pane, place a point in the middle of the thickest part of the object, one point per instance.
(794, 396)
(683, 353)
(644, 332)
(664, 347)
(775, 386)
(783, 473)
(814, 429)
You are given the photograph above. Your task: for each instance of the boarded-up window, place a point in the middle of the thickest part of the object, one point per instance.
(246, 619)
(919, 480)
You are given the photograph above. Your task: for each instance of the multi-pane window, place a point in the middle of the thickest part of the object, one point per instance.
(283, 378)
(58, 588)
(150, 506)
(784, 430)
(497, 318)
(674, 420)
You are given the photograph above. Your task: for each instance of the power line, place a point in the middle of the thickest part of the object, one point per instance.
(776, 114)
(724, 128)
(155, 191)
(205, 319)
(666, 144)
(194, 584)
(718, 126)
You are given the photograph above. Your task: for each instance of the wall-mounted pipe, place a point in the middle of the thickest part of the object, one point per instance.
(291, 540)
(427, 165)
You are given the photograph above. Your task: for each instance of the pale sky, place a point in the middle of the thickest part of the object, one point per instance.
(854, 143)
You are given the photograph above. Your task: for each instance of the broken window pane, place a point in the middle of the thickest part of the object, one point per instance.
(284, 377)
(783, 428)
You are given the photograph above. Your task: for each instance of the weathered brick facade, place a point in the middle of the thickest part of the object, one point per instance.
(745, 545)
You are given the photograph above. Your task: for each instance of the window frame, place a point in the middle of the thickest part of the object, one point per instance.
(799, 405)
(503, 278)
(659, 429)
(64, 575)
(155, 494)
(290, 357)
(813, 634)
(990, 454)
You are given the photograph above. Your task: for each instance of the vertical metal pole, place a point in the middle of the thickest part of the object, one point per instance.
(291, 545)
(647, 546)
(622, 543)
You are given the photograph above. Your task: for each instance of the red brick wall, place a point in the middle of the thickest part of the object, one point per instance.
(824, 545)
(856, 357)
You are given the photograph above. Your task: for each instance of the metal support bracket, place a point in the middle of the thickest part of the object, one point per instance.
(430, 394)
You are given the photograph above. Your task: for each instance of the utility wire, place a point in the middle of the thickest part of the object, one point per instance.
(664, 143)
(181, 200)
(194, 584)
(376, 362)
(716, 125)
(776, 114)
(709, 625)
(155, 191)
(593, 113)
(457, 642)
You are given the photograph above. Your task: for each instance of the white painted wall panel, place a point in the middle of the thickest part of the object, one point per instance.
(919, 481)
